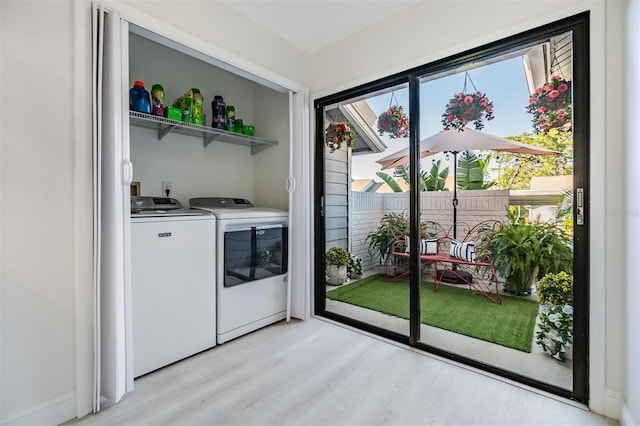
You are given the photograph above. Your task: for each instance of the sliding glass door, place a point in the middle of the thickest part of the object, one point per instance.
(456, 195)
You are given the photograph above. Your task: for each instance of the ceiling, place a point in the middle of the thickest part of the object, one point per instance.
(311, 25)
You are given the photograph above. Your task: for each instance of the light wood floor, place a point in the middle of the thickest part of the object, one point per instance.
(315, 372)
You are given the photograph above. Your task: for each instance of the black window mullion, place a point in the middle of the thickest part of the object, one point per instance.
(414, 210)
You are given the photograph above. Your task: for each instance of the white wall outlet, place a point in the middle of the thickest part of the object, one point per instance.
(167, 188)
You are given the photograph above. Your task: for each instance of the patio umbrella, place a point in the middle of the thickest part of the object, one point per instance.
(458, 141)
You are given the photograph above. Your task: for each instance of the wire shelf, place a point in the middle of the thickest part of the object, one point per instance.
(164, 126)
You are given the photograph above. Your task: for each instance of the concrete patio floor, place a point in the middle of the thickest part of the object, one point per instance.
(537, 364)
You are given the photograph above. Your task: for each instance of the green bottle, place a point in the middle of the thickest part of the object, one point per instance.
(157, 100)
(231, 118)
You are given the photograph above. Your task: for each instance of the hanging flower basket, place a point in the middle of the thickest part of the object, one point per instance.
(395, 122)
(465, 108)
(551, 106)
(337, 133)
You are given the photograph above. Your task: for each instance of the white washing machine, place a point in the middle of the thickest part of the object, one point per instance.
(251, 263)
(173, 282)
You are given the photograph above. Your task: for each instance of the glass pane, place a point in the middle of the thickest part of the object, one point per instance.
(254, 253)
(366, 209)
(501, 211)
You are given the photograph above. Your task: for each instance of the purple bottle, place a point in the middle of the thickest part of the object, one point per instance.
(219, 108)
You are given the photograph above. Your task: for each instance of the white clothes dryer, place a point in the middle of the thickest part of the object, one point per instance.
(251, 264)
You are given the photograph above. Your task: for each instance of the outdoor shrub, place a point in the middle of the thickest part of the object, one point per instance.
(381, 240)
(555, 331)
(338, 256)
(555, 289)
(522, 249)
(354, 267)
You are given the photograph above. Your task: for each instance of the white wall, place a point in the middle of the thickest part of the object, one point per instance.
(631, 126)
(46, 214)
(435, 30)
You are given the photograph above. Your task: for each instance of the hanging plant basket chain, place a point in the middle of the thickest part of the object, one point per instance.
(467, 107)
(394, 120)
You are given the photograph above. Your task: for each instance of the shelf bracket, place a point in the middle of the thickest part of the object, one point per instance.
(165, 130)
(256, 149)
(210, 138)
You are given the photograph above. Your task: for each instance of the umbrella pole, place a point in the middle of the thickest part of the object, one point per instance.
(455, 192)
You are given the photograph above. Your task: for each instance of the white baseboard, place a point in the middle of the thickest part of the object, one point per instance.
(51, 412)
(613, 403)
(625, 416)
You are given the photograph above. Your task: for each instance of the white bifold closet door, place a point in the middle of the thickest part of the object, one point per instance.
(112, 177)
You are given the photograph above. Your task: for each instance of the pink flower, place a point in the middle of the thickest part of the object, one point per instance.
(491, 117)
(556, 77)
(541, 109)
(561, 113)
(563, 87)
(468, 99)
(450, 118)
(484, 101)
(554, 94)
(459, 96)
(548, 87)
(489, 108)
(539, 91)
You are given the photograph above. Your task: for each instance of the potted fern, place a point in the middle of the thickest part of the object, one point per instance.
(522, 252)
(336, 260)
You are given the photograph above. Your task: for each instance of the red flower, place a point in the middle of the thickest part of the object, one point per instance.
(464, 108)
(550, 105)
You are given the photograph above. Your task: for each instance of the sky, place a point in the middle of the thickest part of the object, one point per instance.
(503, 83)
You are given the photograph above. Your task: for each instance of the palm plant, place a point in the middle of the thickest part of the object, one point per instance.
(432, 181)
(471, 171)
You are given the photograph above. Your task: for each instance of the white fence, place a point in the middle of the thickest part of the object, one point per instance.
(367, 209)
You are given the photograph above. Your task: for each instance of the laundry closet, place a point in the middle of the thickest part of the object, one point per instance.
(209, 207)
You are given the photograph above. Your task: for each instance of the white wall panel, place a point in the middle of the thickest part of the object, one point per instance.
(38, 223)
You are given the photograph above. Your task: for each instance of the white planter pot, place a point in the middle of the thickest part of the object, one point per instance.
(336, 275)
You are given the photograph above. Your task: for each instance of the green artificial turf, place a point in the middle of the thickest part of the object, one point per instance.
(451, 308)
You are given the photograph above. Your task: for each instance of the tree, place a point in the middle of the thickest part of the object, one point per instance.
(516, 170)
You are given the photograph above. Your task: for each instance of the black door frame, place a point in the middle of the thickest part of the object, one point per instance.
(579, 26)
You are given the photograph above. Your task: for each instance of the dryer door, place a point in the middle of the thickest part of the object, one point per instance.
(254, 253)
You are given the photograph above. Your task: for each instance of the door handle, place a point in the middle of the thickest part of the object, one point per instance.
(579, 206)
